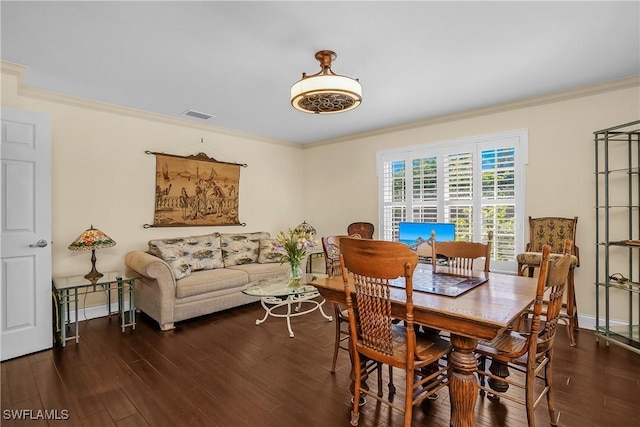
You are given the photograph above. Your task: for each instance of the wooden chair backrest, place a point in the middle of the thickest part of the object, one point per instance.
(462, 254)
(331, 247)
(364, 229)
(549, 294)
(552, 281)
(373, 263)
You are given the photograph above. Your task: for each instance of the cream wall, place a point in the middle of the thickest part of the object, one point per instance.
(102, 176)
(342, 185)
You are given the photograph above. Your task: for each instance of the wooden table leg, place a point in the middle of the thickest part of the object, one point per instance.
(463, 385)
(501, 370)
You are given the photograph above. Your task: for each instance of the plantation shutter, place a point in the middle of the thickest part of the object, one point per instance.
(459, 194)
(499, 200)
(424, 176)
(476, 183)
(394, 197)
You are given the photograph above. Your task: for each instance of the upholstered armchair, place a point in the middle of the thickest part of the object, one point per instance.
(550, 231)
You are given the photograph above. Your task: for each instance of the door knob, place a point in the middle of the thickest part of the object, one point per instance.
(39, 244)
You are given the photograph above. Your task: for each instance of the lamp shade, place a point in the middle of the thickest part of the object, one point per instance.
(306, 228)
(91, 239)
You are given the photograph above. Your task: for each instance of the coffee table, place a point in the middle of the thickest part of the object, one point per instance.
(275, 293)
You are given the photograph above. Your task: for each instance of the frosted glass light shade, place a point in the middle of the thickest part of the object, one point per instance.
(325, 94)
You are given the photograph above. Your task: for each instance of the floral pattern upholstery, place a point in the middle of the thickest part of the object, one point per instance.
(241, 248)
(332, 260)
(535, 258)
(268, 254)
(552, 231)
(187, 254)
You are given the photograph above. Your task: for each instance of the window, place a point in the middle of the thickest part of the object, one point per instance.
(477, 183)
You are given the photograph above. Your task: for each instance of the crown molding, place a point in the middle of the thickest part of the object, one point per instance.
(19, 70)
(13, 69)
(499, 108)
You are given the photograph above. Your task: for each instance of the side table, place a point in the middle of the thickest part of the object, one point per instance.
(66, 291)
(315, 252)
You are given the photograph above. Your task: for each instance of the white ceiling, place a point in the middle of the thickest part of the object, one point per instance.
(237, 60)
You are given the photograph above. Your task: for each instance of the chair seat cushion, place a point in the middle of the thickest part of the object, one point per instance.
(534, 259)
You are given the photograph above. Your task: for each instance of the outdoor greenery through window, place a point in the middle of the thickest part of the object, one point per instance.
(476, 183)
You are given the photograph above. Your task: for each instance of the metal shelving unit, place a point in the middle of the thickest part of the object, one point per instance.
(617, 164)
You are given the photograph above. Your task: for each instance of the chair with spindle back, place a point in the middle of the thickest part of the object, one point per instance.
(529, 349)
(373, 264)
(462, 255)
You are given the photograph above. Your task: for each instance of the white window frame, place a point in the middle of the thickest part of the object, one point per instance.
(518, 139)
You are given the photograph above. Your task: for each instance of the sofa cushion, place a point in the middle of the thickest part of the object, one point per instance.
(263, 271)
(206, 281)
(268, 253)
(241, 248)
(187, 254)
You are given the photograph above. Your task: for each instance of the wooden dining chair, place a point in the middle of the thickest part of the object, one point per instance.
(331, 247)
(461, 255)
(364, 229)
(553, 231)
(529, 350)
(373, 265)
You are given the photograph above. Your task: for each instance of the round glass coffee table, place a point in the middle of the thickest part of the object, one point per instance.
(276, 293)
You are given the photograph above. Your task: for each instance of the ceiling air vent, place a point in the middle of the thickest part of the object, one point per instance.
(197, 114)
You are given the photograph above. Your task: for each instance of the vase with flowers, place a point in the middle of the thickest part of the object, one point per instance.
(293, 245)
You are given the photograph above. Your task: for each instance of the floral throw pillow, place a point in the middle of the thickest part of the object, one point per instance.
(187, 254)
(241, 248)
(204, 252)
(172, 252)
(268, 253)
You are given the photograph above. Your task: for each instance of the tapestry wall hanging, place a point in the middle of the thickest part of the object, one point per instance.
(195, 191)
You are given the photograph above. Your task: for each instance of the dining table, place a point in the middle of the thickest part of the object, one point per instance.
(478, 314)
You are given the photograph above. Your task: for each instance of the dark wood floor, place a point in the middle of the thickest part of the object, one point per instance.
(223, 370)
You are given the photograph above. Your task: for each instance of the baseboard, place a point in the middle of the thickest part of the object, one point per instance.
(88, 313)
(589, 322)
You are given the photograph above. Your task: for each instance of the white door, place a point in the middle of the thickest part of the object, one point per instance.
(25, 218)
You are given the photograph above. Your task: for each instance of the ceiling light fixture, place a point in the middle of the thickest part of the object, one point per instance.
(326, 92)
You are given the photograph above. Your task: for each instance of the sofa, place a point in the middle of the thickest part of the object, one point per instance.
(185, 277)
